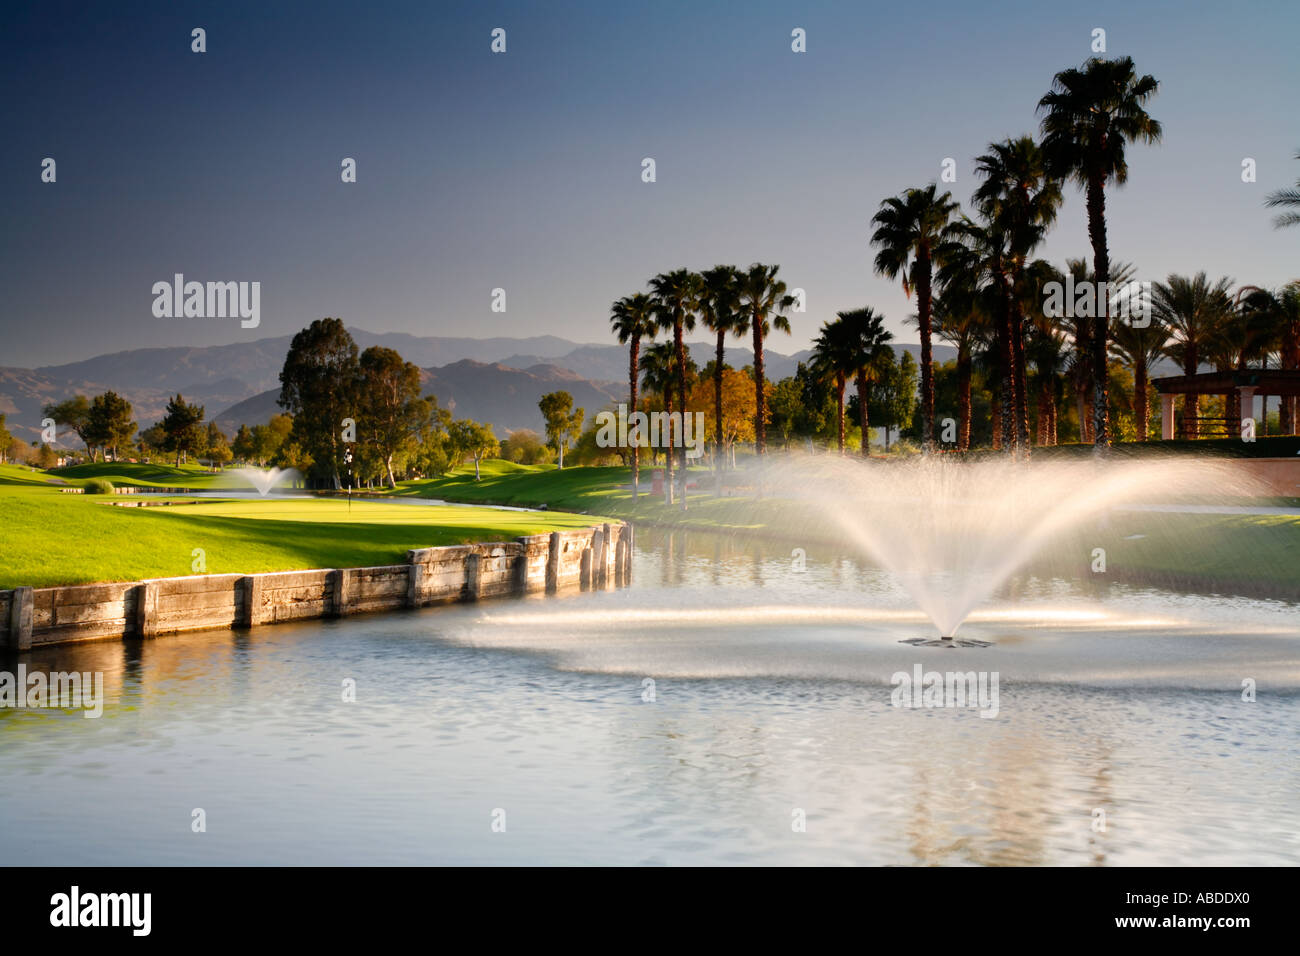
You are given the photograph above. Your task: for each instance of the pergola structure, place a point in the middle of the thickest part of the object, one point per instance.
(1246, 383)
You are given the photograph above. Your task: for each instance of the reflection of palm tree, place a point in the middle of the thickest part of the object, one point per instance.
(1288, 199)
(1192, 310)
(720, 311)
(632, 319)
(762, 299)
(1089, 116)
(909, 230)
(1019, 196)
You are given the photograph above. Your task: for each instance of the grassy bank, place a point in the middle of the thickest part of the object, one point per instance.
(51, 538)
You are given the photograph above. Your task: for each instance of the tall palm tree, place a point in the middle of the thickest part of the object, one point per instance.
(1279, 312)
(1139, 347)
(1018, 194)
(1047, 345)
(909, 229)
(1288, 199)
(870, 350)
(1089, 117)
(720, 311)
(833, 358)
(1192, 309)
(762, 298)
(659, 375)
(963, 317)
(632, 319)
(677, 294)
(1081, 329)
(979, 254)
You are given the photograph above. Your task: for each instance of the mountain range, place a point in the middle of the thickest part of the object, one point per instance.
(496, 380)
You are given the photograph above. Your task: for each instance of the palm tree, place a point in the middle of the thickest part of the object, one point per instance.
(676, 293)
(1139, 347)
(762, 299)
(1081, 330)
(1089, 116)
(963, 315)
(980, 254)
(1017, 194)
(909, 228)
(1279, 312)
(1047, 346)
(659, 375)
(1288, 199)
(632, 319)
(1192, 310)
(870, 349)
(833, 358)
(719, 310)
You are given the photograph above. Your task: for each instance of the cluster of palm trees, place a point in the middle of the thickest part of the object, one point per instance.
(988, 282)
(979, 288)
(855, 344)
(726, 300)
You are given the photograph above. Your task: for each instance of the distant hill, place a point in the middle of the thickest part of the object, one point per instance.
(221, 376)
(494, 379)
(503, 396)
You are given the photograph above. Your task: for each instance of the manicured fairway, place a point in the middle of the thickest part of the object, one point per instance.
(48, 538)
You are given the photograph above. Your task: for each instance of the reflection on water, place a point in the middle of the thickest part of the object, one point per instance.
(771, 695)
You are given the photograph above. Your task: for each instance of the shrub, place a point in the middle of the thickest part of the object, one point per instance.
(98, 486)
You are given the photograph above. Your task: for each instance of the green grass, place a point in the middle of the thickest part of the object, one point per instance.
(154, 475)
(51, 538)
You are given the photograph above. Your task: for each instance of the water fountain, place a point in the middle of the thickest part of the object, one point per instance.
(265, 480)
(953, 531)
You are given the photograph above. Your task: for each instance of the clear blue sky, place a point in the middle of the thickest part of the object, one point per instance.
(522, 170)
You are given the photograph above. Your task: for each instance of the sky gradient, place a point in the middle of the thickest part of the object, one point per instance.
(522, 170)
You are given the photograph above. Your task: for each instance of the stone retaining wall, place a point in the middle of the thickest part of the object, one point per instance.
(591, 558)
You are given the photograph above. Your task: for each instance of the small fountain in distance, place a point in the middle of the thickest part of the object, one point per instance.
(265, 480)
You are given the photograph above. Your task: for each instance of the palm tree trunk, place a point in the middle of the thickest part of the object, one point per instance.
(839, 418)
(1140, 410)
(923, 308)
(995, 407)
(760, 432)
(680, 347)
(860, 383)
(1096, 200)
(633, 352)
(1022, 387)
(668, 451)
(1006, 370)
(963, 396)
(717, 407)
